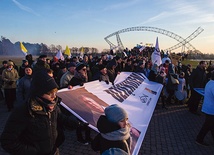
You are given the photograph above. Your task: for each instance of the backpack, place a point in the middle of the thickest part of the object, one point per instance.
(115, 151)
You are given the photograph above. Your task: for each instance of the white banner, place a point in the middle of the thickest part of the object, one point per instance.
(132, 91)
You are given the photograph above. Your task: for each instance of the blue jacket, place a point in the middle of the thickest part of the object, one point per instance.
(23, 89)
(208, 105)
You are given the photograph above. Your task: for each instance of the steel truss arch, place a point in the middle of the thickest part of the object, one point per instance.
(181, 40)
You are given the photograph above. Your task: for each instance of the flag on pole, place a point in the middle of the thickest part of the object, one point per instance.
(23, 49)
(156, 55)
(67, 52)
(125, 54)
(59, 55)
(142, 48)
(82, 52)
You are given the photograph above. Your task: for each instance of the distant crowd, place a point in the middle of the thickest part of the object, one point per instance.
(103, 68)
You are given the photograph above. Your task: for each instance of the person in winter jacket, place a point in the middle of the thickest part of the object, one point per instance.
(22, 68)
(36, 128)
(197, 80)
(10, 77)
(208, 109)
(80, 77)
(114, 136)
(102, 75)
(23, 88)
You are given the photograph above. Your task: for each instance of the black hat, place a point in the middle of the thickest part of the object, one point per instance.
(42, 83)
(43, 56)
(62, 66)
(101, 67)
(98, 60)
(23, 61)
(4, 62)
(72, 64)
(117, 57)
(79, 66)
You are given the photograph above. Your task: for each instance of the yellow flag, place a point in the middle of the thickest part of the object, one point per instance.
(82, 50)
(23, 48)
(67, 51)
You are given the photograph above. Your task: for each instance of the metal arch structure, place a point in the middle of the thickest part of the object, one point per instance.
(181, 41)
(186, 41)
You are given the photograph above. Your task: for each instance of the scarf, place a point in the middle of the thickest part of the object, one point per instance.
(121, 134)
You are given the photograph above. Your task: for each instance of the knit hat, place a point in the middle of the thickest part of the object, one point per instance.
(114, 113)
(42, 83)
(10, 63)
(72, 64)
(101, 67)
(4, 62)
(24, 61)
(43, 56)
(79, 66)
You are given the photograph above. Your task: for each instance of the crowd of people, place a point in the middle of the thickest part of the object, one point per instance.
(34, 84)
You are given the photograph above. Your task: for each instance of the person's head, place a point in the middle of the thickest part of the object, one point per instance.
(203, 64)
(4, 63)
(42, 84)
(50, 72)
(10, 65)
(25, 62)
(167, 62)
(116, 114)
(103, 69)
(43, 57)
(48, 61)
(141, 64)
(29, 57)
(72, 67)
(129, 62)
(28, 70)
(80, 58)
(99, 61)
(182, 74)
(118, 59)
(85, 58)
(171, 69)
(74, 59)
(112, 64)
(189, 65)
(104, 57)
(81, 68)
(90, 57)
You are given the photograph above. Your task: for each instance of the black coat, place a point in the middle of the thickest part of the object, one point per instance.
(75, 81)
(31, 130)
(198, 78)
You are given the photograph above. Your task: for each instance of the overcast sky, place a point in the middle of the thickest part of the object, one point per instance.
(87, 22)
